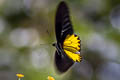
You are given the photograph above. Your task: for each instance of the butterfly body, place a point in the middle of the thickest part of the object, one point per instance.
(68, 44)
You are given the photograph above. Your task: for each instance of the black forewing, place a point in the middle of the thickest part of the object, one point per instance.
(63, 25)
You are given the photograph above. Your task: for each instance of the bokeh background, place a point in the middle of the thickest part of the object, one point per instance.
(27, 34)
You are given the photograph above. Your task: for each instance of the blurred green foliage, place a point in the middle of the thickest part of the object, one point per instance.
(27, 34)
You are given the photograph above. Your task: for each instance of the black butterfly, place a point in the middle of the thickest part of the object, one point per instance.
(68, 44)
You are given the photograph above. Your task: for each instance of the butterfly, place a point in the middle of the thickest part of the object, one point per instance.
(68, 44)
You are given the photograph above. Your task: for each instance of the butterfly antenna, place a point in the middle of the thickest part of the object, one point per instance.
(48, 33)
(45, 44)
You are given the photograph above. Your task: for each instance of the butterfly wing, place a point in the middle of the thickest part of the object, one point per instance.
(63, 25)
(62, 63)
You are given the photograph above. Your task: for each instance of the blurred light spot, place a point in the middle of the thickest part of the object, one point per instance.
(6, 56)
(115, 17)
(1, 2)
(109, 71)
(40, 58)
(93, 5)
(2, 25)
(27, 3)
(84, 69)
(13, 6)
(108, 49)
(7, 75)
(24, 37)
(40, 3)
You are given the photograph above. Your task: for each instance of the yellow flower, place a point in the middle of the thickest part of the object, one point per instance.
(19, 75)
(50, 78)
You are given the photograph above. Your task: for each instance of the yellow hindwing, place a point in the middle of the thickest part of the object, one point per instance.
(71, 47)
